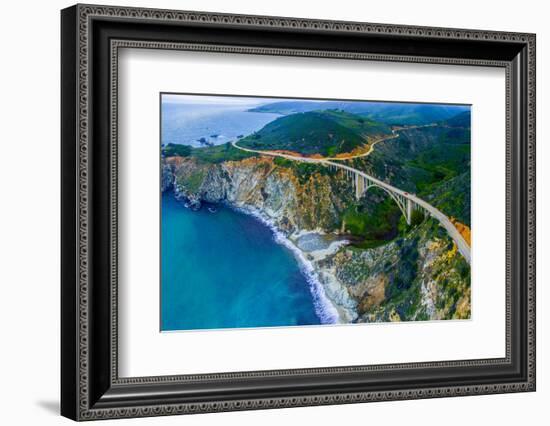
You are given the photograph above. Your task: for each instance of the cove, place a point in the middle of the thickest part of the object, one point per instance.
(225, 270)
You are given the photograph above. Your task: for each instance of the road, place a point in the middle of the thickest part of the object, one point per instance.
(364, 154)
(443, 220)
(394, 135)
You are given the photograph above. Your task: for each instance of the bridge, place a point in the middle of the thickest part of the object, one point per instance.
(362, 182)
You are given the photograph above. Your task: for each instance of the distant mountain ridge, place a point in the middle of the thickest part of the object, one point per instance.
(391, 113)
(462, 119)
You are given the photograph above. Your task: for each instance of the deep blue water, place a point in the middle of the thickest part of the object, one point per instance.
(186, 123)
(225, 270)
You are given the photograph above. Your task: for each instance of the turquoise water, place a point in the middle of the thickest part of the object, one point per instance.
(225, 270)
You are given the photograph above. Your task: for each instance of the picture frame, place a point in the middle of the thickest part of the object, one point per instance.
(90, 384)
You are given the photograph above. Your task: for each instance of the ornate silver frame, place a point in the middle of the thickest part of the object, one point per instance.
(91, 388)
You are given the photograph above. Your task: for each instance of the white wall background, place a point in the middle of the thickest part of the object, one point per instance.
(29, 212)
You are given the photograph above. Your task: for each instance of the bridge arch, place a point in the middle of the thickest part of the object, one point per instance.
(403, 205)
(362, 184)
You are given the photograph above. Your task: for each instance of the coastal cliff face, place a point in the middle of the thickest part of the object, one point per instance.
(418, 275)
(260, 184)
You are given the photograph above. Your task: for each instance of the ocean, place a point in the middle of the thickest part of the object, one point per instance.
(215, 124)
(225, 269)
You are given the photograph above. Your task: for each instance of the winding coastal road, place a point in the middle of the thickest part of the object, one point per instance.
(396, 193)
(394, 135)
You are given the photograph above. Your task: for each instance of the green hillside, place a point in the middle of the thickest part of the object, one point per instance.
(433, 162)
(328, 133)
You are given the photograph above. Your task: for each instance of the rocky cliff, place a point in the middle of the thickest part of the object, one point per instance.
(291, 202)
(419, 276)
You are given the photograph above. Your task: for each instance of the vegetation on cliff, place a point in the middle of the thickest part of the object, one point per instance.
(373, 220)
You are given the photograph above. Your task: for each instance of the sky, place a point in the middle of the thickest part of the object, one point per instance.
(223, 100)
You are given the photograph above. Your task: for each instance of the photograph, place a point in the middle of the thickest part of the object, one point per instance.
(280, 212)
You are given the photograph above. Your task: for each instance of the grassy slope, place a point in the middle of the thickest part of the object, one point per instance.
(452, 197)
(374, 219)
(316, 132)
(446, 171)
